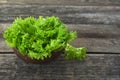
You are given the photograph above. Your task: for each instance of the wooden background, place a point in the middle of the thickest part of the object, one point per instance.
(98, 25)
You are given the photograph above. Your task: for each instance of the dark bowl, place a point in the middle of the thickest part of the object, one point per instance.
(35, 61)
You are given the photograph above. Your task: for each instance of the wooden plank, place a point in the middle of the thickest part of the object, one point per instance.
(92, 45)
(95, 31)
(98, 44)
(83, 30)
(97, 38)
(68, 14)
(94, 67)
(3, 27)
(62, 2)
(4, 47)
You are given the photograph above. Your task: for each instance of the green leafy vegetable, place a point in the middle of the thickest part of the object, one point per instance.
(37, 38)
(75, 53)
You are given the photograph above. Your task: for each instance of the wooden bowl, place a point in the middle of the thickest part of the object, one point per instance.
(35, 61)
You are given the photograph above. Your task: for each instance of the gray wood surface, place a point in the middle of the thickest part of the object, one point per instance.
(63, 2)
(68, 14)
(96, 38)
(94, 67)
(84, 30)
(92, 45)
(97, 23)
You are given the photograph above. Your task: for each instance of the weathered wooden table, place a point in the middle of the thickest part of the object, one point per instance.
(98, 25)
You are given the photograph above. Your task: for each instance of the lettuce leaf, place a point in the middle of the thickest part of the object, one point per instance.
(37, 38)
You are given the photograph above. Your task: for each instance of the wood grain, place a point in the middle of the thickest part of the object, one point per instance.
(83, 30)
(98, 45)
(96, 38)
(4, 47)
(62, 2)
(68, 14)
(92, 45)
(97, 23)
(95, 31)
(94, 67)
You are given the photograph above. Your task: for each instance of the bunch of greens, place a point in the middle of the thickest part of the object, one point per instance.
(38, 38)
